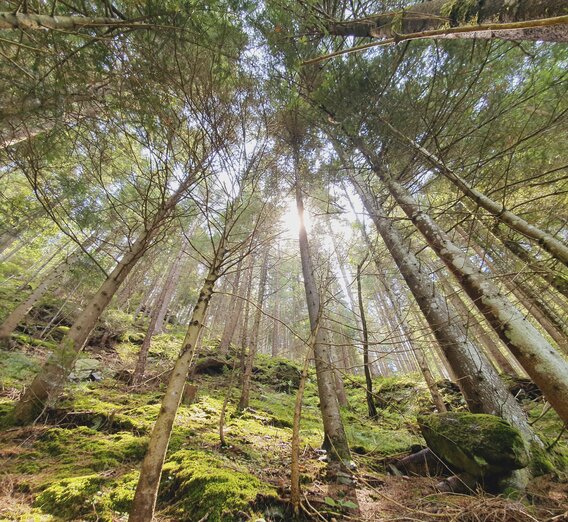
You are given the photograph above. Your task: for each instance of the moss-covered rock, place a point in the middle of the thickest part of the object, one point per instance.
(478, 444)
(198, 483)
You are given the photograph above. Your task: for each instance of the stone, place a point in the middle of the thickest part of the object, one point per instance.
(478, 444)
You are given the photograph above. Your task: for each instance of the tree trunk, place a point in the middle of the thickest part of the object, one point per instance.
(371, 407)
(436, 14)
(545, 366)
(482, 388)
(17, 315)
(157, 315)
(531, 302)
(555, 279)
(33, 21)
(53, 375)
(253, 345)
(335, 440)
(545, 240)
(173, 279)
(147, 489)
(478, 330)
(235, 307)
(276, 342)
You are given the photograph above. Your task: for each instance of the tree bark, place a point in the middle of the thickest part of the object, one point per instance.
(235, 307)
(53, 375)
(481, 386)
(540, 360)
(157, 315)
(545, 240)
(276, 341)
(146, 494)
(478, 330)
(17, 315)
(253, 345)
(34, 22)
(529, 300)
(335, 439)
(371, 407)
(437, 14)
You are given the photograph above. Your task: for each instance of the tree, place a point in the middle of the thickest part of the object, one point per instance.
(335, 441)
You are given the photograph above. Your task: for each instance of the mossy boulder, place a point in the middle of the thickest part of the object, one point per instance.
(200, 484)
(283, 375)
(478, 444)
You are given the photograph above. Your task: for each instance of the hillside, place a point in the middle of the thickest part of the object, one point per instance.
(80, 462)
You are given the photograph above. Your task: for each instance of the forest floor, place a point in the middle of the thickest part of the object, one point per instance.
(80, 460)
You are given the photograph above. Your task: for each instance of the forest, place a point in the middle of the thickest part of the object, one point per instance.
(284, 260)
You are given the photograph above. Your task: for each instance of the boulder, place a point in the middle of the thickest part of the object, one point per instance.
(478, 444)
(86, 370)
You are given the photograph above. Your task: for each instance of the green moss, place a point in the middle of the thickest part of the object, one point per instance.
(32, 341)
(70, 498)
(477, 443)
(16, 368)
(198, 483)
(89, 497)
(282, 374)
(460, 11)
(98, 452)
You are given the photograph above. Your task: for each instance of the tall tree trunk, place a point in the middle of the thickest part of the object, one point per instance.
(157, 315)
(530, 301)
(253, 345)
(416, 351)
(235, 307)
(244, 334)
(436, 14)
(545, 240)
(171, 286)
(481, 386)
(53, 375)
(144, 501)
(478, 330)
(17, 315)
(276, 341)
(541, 361)
(371, 407)
(555, 279)
(33, 21)
(335, 440)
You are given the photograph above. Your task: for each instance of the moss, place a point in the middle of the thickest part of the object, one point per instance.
(282, 374)
(460, 11)
(200, 484)
(71, 498)
(89, 497)
(477, 443)
(98, 452)
(16, 368)
(540, 463)
(32, 341)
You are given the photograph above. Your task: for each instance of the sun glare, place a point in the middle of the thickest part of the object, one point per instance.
(291, 220)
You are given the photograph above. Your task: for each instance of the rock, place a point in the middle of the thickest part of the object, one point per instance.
(211, 366)
(86, 370)
(478, 444)
(423, 463)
